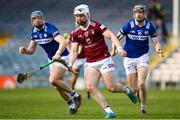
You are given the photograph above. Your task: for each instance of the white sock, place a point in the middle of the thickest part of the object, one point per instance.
(71, 104)
(108, 110)
(74, 94)
(143, 107)
(127, 90)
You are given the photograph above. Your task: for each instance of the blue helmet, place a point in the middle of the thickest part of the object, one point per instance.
(36, 14)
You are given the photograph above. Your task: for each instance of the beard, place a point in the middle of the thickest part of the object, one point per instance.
(39, 26)
(82, 23)
(139, 20)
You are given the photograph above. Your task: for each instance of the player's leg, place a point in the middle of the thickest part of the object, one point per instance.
(88, 95)
(142, 74)
(56, 79)
(73, 79)
(142, 69)
(79, 63)
(58, 75)
(131, 72)
(76, 67)
(69, 101)
(61, 92)
(132, 81)
(92, 79)
(109, 81)
(107, 69)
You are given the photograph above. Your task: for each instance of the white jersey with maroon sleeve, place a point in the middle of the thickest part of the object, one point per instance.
(92, 40)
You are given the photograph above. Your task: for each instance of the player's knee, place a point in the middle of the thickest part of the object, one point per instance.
(134, 90)
(90, 88)
(111, 88)
(52, 81)
(141, 85)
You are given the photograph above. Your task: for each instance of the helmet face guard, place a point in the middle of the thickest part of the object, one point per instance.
(82, 10)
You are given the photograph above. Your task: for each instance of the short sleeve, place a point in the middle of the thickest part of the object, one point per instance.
(153, 29)
(32, 38)
(101, 27)
(33, 35)
(73, 37)
(54, 30)
(125, 28)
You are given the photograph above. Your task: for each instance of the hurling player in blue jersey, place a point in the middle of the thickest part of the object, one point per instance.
(48, 37)
(137, 32)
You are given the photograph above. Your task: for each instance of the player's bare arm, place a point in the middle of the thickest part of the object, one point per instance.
(80, 49)
(157, 47)
(108, 34)
(29, 50)
(114, 50)
(66, 37)
(73, 53)
(68, 46)
(62, 45)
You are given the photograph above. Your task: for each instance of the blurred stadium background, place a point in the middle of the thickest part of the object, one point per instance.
(15, 29)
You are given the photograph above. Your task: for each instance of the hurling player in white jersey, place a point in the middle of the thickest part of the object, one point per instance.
(48, 37)
(137, 32)
(90, 34)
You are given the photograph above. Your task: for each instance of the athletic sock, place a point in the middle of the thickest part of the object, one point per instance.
(143, 107)
(127, 90)
(71, 104)
(108, 110)
(74, 94)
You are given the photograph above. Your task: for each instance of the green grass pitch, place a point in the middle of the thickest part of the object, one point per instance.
(44, 103)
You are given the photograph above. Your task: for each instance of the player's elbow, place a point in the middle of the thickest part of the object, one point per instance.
(31, 52)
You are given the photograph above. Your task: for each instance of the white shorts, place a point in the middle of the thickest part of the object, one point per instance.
(132, 64)
(79, 63)
(66, 58)
(103, 66)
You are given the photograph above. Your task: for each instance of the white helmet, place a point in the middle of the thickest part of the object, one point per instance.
(82, 9)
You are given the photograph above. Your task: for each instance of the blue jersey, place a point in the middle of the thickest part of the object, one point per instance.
(45, 38)
(137, 38)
